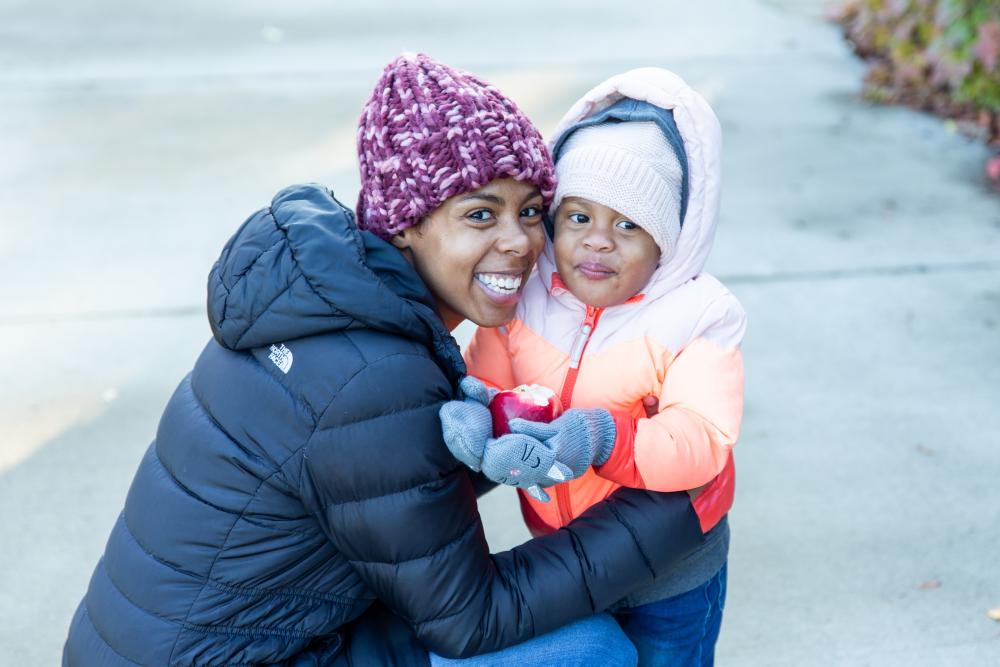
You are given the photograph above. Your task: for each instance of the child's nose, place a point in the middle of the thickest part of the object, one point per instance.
(597, 241)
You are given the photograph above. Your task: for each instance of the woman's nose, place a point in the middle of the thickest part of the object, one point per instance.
(513, 238)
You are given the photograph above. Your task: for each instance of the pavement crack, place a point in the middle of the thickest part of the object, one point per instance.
(101, 315)
(862, 272)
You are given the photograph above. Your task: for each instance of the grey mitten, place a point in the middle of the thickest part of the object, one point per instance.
(536, 454)
(524, 462)
(466, 425)
(579, 438)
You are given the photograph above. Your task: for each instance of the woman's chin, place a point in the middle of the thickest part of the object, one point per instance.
(495, 315)
(495, 310)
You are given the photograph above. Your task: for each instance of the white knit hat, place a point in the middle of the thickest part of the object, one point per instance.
(630, 167)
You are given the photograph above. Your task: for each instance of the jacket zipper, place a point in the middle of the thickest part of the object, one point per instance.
(566, 395)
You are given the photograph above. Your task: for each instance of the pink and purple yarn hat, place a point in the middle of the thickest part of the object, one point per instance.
(429, 132)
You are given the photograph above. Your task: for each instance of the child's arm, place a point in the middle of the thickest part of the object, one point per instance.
(701, 406)
(466, 424)
(488, 357)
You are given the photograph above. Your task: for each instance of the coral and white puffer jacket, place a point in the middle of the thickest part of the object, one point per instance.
(678, 340)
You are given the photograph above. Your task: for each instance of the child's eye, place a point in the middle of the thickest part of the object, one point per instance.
(579, 218)
(627, 225)
(480, 215)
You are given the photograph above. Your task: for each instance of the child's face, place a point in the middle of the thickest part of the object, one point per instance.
(604, 258)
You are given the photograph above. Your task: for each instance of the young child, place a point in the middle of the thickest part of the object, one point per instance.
(618, 317)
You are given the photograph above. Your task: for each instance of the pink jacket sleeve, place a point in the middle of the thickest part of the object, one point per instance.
(701, 407)
(488, 358)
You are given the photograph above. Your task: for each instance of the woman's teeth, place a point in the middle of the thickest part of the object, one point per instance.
(498, 283)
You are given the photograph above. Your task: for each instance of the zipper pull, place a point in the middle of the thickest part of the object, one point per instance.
(581, 342)
(576, 352)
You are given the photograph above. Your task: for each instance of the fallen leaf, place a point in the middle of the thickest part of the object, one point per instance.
(993, 614)
(993, 169)
(987, 45)
(929, 585)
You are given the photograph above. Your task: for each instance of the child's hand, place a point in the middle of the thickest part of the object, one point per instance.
(580, 437)
(467, 424)
(524, 462)
(651, 405)
(536, 454)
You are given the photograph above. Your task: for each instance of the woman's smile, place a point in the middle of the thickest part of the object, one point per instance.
(502, 287)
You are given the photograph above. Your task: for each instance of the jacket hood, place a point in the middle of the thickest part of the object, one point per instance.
(691, 128)
(301, 267)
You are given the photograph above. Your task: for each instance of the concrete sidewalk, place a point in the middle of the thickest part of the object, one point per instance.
(862, 241)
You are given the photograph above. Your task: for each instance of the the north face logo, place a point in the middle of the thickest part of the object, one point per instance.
(281, 356)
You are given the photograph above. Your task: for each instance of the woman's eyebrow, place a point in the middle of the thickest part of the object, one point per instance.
(493, 199)
(533, 195)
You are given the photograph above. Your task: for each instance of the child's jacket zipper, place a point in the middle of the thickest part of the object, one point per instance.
(566, 395)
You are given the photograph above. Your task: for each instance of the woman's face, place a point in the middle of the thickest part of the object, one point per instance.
(475, 251)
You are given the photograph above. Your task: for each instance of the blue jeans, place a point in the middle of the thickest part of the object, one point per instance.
(591, 642)
(680, 631)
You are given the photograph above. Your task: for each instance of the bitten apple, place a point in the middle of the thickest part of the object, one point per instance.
(527, 401)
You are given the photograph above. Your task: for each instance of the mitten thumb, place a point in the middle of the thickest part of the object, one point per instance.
(476, 390)
(465, 427)
(537, 430)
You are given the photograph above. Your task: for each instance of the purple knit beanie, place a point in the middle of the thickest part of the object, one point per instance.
(429, 132)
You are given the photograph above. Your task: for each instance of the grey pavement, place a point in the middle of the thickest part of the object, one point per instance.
(863, 242)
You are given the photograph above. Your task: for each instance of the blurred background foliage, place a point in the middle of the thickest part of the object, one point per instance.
(941, 56)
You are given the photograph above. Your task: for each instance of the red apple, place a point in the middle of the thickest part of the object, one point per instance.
(527, 401)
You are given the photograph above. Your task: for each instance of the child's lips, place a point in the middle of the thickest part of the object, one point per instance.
(595, 270)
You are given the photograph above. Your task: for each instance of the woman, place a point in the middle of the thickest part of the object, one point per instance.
(299, 475)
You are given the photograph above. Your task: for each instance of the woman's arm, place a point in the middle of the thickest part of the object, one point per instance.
(392, 499)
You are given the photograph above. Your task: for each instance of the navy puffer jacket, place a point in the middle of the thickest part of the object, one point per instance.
(298, 474)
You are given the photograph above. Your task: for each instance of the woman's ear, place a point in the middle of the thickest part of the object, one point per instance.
(401, 240)
(404, 240)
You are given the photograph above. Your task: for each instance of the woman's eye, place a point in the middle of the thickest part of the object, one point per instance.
(579, 218)
(627, 225)
(531, 212)
(481, 214)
